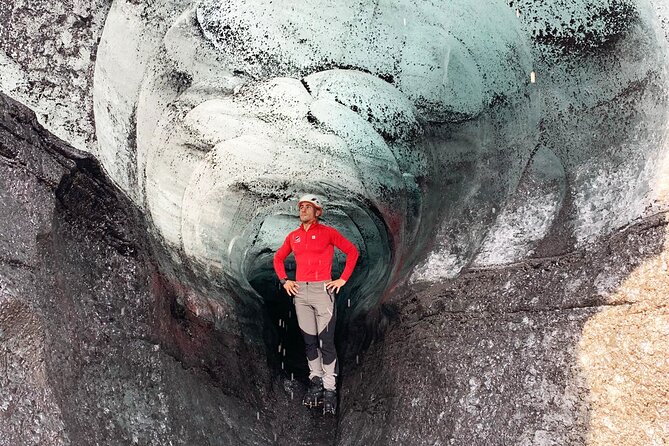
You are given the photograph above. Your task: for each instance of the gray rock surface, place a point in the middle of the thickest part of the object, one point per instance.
(47, 58)
(498, 355)
(98, 343)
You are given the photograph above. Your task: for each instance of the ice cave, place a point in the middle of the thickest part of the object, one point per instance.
(502, 167)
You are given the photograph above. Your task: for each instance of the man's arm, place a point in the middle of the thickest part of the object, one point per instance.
(280, 256)
(280, 269)
(352, 254)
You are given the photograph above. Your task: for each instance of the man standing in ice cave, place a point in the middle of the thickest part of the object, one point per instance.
(314, 296)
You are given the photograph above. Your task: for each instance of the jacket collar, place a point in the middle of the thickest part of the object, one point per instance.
(315, 224)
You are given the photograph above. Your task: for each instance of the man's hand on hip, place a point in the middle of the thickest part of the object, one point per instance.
(291, 287)
(335, 285)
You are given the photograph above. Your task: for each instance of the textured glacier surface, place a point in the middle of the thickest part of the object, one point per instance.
(453, 135)
(443, 135)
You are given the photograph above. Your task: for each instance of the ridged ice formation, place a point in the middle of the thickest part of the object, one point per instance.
(419, 123)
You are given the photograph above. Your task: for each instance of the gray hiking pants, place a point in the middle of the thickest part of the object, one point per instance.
(316, 315)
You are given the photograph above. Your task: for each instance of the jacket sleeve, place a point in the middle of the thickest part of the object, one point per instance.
(280, 256)
(347, 248)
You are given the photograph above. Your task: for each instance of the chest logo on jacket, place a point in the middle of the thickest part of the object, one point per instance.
(297, 239)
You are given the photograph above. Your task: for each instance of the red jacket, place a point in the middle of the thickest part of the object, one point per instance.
(314, 250)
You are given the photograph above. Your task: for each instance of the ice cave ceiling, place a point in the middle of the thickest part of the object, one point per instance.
(443, 135)
(502, 166)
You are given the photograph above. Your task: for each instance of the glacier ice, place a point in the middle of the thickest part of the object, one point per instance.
(417, 121)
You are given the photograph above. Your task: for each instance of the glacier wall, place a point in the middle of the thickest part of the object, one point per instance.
(388, 112)
(443, 135)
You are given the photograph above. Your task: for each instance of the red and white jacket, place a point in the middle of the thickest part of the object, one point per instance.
(314, 250)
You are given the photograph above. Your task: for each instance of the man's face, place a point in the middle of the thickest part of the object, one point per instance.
(308, 212)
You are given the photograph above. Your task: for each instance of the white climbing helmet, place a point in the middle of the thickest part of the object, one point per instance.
(311, 198)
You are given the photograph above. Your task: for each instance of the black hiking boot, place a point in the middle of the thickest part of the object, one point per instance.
(314, 395)
(329, 401)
